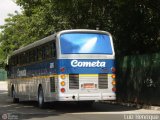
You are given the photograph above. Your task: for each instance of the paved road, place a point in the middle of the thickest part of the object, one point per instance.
(99, 111)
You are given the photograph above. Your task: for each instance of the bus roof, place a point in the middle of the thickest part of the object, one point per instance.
(35, 44)
(52, 37)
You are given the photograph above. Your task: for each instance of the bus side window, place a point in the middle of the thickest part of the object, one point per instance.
(48, 51)
(30, 57)
(20, 59)
(16, 60)
(35, 54)
(27, 57)
(24, 58)
(53, 50)
(13, 61)
(43, 52)
(39, 53)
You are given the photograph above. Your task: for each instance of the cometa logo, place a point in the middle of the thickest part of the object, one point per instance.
(76, 63)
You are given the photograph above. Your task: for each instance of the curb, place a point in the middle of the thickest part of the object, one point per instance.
(151, 107)
(138, 106)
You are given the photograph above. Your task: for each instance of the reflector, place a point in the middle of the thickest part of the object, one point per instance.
(113, 82)
(114, 89)
(63, 90)
(62, 69)
(62, 83)
(113, 69)
(63, 76)
(113, 76)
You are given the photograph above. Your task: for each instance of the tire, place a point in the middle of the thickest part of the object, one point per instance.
(14, 99)
(41, 103)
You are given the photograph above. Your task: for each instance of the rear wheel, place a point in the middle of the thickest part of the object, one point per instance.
(41, 103)
(15, 100)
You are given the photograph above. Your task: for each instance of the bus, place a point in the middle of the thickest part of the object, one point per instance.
(70, 65)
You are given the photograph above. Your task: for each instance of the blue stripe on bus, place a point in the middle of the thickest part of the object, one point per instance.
(34, 69)
(51, 67)
(85, 66)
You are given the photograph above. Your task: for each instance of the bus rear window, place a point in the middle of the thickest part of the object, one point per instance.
(85, 43)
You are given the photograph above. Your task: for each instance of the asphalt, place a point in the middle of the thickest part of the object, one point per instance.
(3, 87)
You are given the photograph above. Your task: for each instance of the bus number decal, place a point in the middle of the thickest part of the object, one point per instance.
(51, 65)
(21, 73)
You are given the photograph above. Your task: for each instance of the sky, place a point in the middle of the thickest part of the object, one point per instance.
(6, 7)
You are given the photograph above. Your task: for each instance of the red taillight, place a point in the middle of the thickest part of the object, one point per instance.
(63, 90)
(62, 69)
(113, 69)
(114, 89)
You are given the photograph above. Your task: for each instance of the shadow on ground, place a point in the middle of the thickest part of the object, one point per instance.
(28, 110)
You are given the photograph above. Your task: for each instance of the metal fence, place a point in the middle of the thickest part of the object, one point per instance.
(138, 79)
(3, 74)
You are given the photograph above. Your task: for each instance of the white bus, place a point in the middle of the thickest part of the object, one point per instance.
(71, 65)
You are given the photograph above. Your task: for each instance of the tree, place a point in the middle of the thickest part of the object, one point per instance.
(134, 24)
(22, 29)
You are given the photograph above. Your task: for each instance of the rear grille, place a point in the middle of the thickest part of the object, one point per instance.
(73, 81)
(103, 81)
(52, 84)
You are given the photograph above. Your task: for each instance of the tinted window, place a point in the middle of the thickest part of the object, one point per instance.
(85, 43)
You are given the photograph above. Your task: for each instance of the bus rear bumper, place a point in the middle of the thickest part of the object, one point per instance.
(86, 97)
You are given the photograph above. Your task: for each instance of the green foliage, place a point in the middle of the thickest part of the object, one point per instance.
(87, 13)
(138, 78)
(25, 28)
(134, 24)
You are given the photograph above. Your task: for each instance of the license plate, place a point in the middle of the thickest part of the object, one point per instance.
(89, 85)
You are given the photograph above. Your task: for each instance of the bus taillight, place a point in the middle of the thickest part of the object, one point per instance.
(63, 90)
(63, 76)
(113, 76)
(113, 69)
(63, 83)
(114, 89)
(62, 69)
(113, 82)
